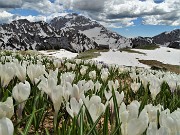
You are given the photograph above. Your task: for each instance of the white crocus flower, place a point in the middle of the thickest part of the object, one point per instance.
(137, 126)
(170, 121)
(21, 72)
(152, 112)
(94, 106)
(53, 74)
(21, 93)
(58, 63)
(123, 113)
(133, 109)
(122, 69)
(6, 126)
(135, 86)
(56, 96)
(54, 91)
(7, 73)
(99, 66)
(78, 61)
(74, 107)
(97, 86)
(172, 84)
(81, 85)
(152, 130)
(113, 85)
(7, 108)
(73, 66)
(85, 86)
(133, 75)
(76, 92)
(131, 124)
(83, 69)
(46, 84)
(92, 74)
(104, 75)
(155, 88)
(35, 71)
(67, 91)
(70, 66)
(119, 98)
(67, 77)
(89, 85)
(96, 110)
(144, 80)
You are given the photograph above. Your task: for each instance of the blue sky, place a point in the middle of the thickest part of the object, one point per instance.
(143, 30)
(130, 18)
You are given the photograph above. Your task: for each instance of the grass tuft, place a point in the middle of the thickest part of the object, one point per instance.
(147, 47)
(161, 66)
(90, 54)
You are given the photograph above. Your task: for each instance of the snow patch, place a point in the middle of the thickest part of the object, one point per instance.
(62, 53)
(162, 54)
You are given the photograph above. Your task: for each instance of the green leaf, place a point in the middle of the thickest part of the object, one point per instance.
(94, 125)
(106, 118)
(81, 121)
(116, 110)
(90, 121)
(47, 132)
(28, 125)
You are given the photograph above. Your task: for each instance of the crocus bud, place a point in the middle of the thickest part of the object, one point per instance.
(6, 126)
(135, 86)
(7, 108)
(21, 91)
(92, 74)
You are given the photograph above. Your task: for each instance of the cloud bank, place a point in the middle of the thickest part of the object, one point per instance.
(152, 12)
(112, 13)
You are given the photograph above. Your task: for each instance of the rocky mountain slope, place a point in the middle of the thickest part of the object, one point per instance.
(170, 39)
(75, 33)
(24, 35)
(92, 29)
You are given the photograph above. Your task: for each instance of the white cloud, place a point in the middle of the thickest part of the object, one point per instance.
(114, 13)
(5, 16)
(85, 5)
(118, 10)
(118, 23)
(172, 19)
(10, 3)
(31, 18)
(43, 6)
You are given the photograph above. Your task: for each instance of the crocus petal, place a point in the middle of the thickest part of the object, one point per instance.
(6, 126)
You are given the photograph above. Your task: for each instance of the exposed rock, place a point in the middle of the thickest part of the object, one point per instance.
(75, 33)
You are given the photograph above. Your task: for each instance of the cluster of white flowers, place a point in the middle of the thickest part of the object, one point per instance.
(65, 88)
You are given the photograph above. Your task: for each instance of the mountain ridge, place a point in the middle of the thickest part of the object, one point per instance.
(75, 33)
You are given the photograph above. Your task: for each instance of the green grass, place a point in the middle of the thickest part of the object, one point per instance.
(147, 47)
(161, 66)
(90, 54)
(131, 51)
(28, 52)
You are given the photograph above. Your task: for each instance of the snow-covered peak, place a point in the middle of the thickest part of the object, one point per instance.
(92, 29)
(168, 38)
(73, 32)
(24, 35)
